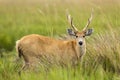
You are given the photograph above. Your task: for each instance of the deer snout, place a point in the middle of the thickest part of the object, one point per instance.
(80, 43)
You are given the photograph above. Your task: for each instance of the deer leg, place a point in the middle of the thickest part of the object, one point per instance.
(24, 67)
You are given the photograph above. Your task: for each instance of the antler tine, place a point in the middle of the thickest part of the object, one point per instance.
(89, 21)
(70, 21)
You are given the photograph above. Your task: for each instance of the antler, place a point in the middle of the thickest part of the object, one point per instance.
(89, 21)
(70, 21)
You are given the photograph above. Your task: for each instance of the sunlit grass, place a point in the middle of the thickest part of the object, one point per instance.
(48, 17)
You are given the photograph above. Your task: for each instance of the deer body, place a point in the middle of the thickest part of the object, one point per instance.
(33, 47)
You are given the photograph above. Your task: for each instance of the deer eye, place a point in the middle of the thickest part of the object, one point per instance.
(76, 36)
(83, 36)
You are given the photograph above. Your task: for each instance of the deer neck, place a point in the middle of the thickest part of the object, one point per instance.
(80, 50)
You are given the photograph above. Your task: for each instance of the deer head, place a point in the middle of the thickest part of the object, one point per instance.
(79, 35)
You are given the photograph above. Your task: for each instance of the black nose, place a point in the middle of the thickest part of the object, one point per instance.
(80, 43)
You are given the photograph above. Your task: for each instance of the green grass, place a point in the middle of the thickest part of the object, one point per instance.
(48, 17)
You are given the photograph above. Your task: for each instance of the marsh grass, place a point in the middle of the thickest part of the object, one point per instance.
(48, 17)
(101, 62)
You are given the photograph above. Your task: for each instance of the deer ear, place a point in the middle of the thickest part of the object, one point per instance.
(88, 32)
(70, 32)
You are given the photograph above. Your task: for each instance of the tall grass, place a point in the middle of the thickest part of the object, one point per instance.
(103, 49)
(101, 62)
(48, 17)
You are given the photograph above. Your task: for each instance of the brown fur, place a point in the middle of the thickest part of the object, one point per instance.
(33, 47)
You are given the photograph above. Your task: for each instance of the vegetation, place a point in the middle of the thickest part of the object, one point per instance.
(48, 17)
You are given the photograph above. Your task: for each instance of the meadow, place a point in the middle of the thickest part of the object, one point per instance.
(48, 17)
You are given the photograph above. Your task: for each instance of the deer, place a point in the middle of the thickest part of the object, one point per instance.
(33, 47)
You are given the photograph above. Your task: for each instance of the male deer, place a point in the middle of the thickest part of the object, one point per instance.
(33, 47)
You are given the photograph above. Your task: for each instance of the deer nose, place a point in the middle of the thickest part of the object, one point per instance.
(80, 43)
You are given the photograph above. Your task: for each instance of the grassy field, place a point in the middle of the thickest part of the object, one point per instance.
(48, 17)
